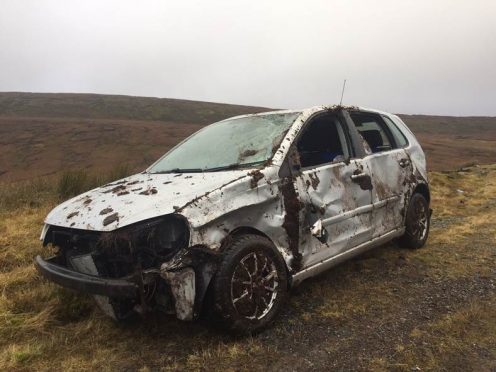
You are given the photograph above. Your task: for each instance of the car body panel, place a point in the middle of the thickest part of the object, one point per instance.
(136, 198)
(341, 206)
(388, 184)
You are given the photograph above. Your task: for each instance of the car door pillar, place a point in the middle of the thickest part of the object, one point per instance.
(356, 139)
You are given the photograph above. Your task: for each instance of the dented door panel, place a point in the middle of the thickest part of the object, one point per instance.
(390, 171)
(341, 205)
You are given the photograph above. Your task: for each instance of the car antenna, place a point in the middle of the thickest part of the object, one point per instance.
(342, 92)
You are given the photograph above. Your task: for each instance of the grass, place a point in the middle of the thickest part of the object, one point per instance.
(71, 183)
(390, 309)
(45, 191)
(457, 339)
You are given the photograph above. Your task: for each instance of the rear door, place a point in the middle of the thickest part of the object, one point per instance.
(389, 166)
(333, 186)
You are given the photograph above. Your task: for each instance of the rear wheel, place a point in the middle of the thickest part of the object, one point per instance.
(417, 222)
(251, 284)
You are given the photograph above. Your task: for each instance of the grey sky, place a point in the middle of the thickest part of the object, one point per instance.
(436, 56)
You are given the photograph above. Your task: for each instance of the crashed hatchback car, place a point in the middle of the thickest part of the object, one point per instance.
(241, 211)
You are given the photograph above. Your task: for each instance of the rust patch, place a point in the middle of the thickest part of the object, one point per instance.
(110, 219)
(115, 183)
(73, 214)
(149, 191)
(256, 176)
(106, 211)
(116, 189)
(382, 191)
(291, 222)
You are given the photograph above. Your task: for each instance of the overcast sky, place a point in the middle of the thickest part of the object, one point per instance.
(422, 56)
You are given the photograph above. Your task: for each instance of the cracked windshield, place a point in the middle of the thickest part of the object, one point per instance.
(228, 144)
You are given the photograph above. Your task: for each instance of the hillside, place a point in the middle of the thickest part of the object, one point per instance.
(452, 142)
(118, 107)
(43, 134)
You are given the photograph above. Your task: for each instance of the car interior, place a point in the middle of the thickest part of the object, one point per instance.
(322, 142)
(372, 132)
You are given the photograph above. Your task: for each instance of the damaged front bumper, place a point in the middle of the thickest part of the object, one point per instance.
(87, 283)
(184, 283)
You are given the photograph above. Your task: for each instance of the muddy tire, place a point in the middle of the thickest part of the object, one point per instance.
(250, 286)
(417, 222)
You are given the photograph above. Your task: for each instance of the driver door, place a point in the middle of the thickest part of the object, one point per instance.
(335, 192)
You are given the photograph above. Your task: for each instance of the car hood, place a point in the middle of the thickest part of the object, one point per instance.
(138, 198)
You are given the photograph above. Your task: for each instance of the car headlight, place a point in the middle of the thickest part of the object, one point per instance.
(166, 236)
(149, 242)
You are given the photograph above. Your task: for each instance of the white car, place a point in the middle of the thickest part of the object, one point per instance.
(241, 211)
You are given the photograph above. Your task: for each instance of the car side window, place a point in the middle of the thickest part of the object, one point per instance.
(398, 135)
(372, 130)
(323, 141)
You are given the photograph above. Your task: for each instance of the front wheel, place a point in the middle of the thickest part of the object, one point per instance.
(250, 285)
(417, 222)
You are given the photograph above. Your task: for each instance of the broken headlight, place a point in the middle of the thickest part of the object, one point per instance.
(166, 236)
(148, 243)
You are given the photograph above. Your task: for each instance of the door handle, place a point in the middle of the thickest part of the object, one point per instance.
(404, 163)
(362, 179)
(358, 176)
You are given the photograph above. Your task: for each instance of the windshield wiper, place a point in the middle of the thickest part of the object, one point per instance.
(215, 169)
(180, 170)
(234, 166)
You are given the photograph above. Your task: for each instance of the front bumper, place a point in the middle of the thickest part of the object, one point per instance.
(114, 288)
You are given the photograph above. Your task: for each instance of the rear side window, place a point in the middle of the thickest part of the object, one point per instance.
(373, 131)
(398, 135)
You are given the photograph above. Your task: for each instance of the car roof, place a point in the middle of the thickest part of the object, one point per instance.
(312, 109)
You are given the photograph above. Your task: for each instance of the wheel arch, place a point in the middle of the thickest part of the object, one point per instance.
(423, 189)
(244, 230)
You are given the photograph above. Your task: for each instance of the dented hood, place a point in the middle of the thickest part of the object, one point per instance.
(137, 198)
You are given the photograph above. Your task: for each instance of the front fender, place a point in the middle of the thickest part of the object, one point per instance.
(189, 275)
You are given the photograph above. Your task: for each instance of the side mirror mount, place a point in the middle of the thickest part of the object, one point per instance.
(294, 160)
